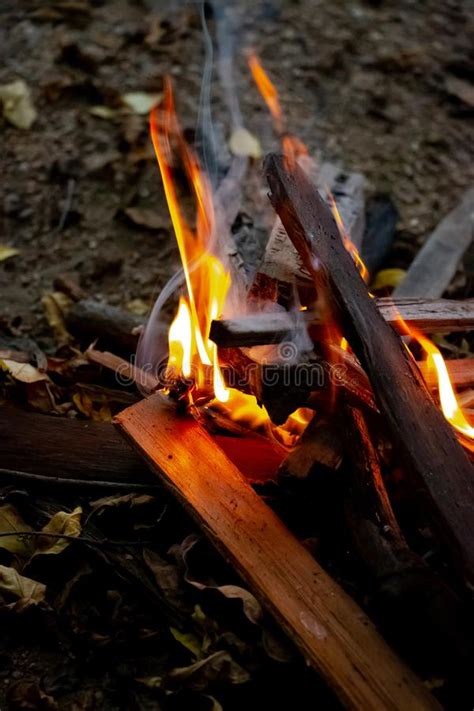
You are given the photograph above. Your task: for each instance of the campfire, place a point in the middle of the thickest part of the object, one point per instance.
(304, 357)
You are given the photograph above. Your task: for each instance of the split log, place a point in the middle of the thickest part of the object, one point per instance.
(327, 626)
(281, 264)
(432, 455)
(420, 612)
(436, 263)
(427, 316)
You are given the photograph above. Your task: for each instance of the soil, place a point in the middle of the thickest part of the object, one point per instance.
(367, 83)
(383, 86)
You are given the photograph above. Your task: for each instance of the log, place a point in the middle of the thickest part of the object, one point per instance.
(328, 627)
(281, 263)
(118, 330)
(263, 328)
(416, 607)
(49, 446)
(382, 217)
(60, 452)
(433, 457)
(436, 263)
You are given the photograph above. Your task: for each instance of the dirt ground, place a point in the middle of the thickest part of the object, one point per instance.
(383, 86)
(373, 84)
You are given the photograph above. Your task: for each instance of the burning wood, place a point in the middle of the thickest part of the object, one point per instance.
(425, 439)
(328, 627)
(427, 316)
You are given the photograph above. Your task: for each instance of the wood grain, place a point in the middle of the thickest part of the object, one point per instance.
(433, 458)
(329, 628)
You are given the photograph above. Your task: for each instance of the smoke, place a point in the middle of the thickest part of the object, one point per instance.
(152, 346)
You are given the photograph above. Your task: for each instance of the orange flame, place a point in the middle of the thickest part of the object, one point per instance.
(267, 90)
(447, 397)
(191, 353)
(291, 145)
(206, 279)
(346, 238)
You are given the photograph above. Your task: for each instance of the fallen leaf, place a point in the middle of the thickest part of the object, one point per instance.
(103, 112)
(54, 316)
(25, 695)
(68, 524)
(24, 372)
(144, 217)
(10, 520)
(388, 278)
(251, 606)
(25, 591)
(18, 107)
(168, 580)
(244, 143)
(461, 89)
(7, 252)
(217, 667)
(138, 307)
(85, 405)
(140, 102)
(188, 640)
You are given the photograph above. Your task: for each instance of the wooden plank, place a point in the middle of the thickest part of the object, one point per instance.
(432, 455)
(329, 628)
(436, 263)
(263, 328)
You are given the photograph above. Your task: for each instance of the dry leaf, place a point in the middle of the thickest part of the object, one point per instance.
(24, 372)
(461, 89)
(140, 102)
(218, 667)
(144, 217)
(85, 405)
(18, 107)
(103, 112)
(388, 278)
(244, 143)
(7, 252)
(54, 315)
(188, 640)
(10, 520)
(68, 524)
(25, 591)
(138, 307)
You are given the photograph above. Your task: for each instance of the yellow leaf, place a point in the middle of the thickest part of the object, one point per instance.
(24, 372)
(244, 143)
(18, 107)
(55, 318)
(68, 524)
(10, 520)
(7, 252)
(26, 592)
(388, 278)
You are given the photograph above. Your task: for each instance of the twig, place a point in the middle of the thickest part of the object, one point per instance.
(78, 483)
(79, 539)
